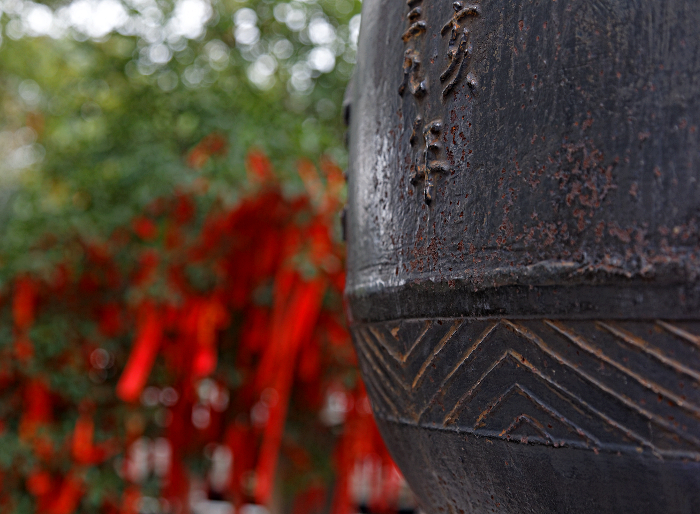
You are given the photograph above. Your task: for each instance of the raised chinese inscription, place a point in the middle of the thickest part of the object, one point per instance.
(460, 50)
(427, 152)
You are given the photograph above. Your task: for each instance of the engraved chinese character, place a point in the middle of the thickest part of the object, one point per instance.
(412, 75)
(427, 152)
(412, 78)
(417, 26)
(459, 50)
(430, 162)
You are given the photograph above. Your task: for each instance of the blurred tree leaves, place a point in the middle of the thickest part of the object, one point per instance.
(95, 125)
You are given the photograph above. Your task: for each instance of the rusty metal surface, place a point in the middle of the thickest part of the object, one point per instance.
(524, 249)
(558, 146)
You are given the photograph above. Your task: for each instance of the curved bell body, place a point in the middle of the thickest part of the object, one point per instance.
(523, 250)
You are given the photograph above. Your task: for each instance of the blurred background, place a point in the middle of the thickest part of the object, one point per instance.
(172, 335)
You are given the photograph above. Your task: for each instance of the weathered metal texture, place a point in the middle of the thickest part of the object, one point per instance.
(523, 250)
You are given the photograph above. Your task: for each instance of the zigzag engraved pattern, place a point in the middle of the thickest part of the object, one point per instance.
(631, 386)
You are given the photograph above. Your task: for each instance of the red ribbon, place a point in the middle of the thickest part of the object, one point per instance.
(143, 355)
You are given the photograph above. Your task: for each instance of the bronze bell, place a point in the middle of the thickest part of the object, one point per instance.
(523, 250)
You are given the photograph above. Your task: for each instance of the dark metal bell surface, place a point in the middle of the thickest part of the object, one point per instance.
(523, 250)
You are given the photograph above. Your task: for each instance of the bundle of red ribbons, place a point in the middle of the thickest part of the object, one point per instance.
(232, 316)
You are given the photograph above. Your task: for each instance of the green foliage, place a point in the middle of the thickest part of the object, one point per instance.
(95, 128)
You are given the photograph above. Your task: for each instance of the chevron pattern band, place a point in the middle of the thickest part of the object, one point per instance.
(618, 386)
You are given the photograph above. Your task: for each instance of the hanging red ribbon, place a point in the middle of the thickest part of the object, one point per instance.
(212, 317)
(143, 355)
(24, 303)
(291, 326)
